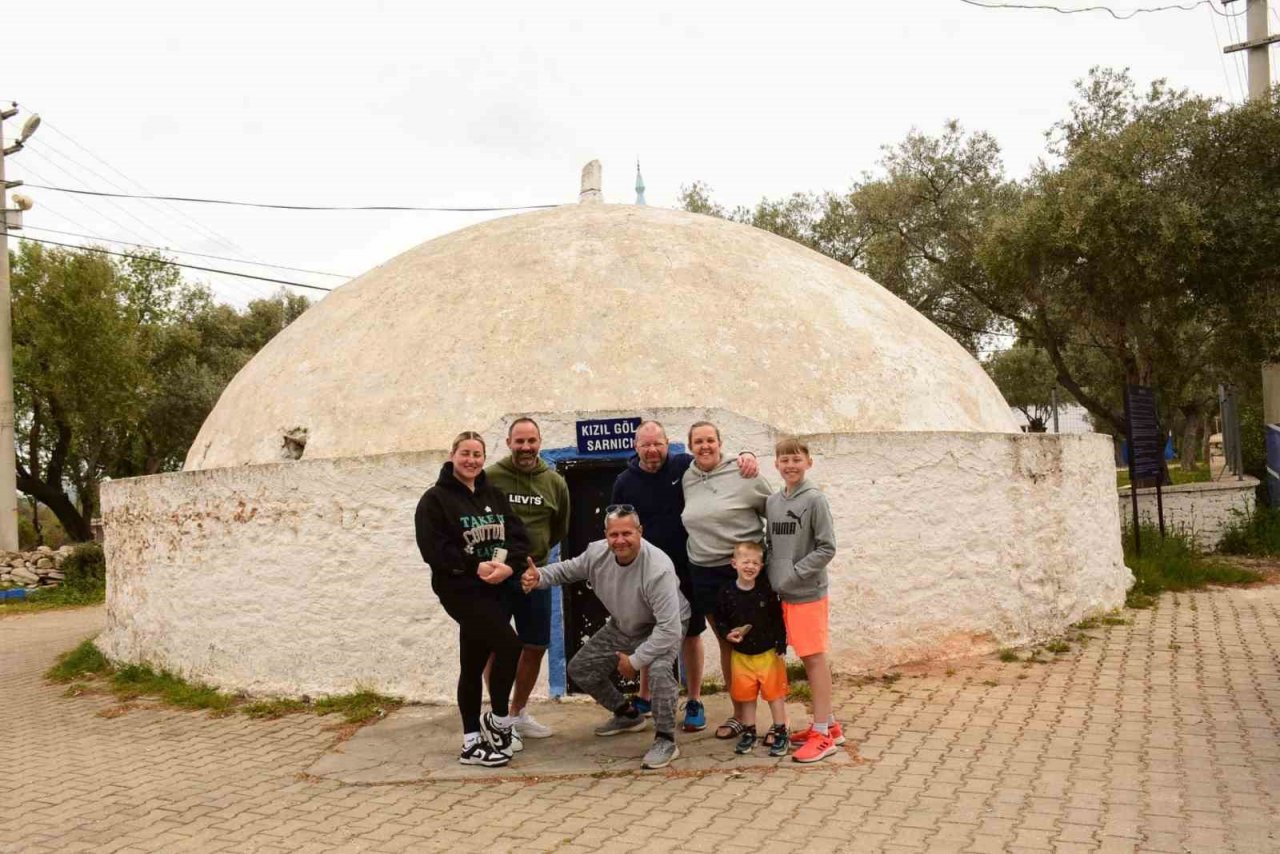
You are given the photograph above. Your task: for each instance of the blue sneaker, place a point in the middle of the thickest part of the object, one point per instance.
(695, 717)
(643, 706)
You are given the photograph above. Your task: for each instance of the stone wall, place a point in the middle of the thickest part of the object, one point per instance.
(303, 578)
(41, 567)
(1203, 510)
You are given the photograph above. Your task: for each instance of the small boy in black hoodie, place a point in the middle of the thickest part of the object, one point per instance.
(751, 611)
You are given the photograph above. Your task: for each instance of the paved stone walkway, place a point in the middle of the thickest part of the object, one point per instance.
(1155, 736)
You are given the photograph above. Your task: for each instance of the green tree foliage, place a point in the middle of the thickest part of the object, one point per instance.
(914, 227)
(1144, 247)
(116, 365)
(1027, 379)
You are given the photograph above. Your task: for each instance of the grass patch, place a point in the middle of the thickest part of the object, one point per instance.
(89, 671)
(1114, 620)
(711, 686)
(1057, 647)
(1173, 563)
(796, 671)
(1199, 474)
(50, 598)
(85, 660)
(1007, 654)
(800, 692)
(359, 707)
(269, 710)
(140, 680)
(1256, 533)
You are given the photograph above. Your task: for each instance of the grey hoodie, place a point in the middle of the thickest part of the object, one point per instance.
(721, 509)
(643, 597)
(802, 541)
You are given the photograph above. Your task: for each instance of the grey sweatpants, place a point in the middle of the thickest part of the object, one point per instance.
(594, 665)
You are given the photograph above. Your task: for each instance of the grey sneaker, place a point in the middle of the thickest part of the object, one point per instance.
(618, 724)
(660, 754)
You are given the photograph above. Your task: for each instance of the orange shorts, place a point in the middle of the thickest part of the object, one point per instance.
(764, 674)
(807, 626)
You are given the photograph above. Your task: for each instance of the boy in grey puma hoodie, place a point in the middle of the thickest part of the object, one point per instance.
(802, 542)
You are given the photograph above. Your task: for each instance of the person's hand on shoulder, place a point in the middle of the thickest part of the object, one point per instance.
(748, 465)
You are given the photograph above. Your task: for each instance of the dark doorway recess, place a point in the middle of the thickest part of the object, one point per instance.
(590, 488)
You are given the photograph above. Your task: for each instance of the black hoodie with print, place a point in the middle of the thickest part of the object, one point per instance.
(458, 529)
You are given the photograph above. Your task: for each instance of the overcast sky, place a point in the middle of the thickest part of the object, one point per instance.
(494, 104)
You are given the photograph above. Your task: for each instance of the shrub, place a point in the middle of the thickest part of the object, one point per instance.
(85, 568)
(1256, 533)
(1173, 563)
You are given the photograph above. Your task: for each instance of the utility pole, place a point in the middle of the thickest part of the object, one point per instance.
(1258, 42)
(10, 218)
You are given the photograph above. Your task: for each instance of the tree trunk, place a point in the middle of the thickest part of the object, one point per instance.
(35, 521)
(1190, 437)
(76, 525)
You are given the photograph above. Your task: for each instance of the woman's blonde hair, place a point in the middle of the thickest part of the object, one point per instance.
(467, 435)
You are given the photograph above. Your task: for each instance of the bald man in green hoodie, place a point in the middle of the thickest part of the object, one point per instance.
(540, 497)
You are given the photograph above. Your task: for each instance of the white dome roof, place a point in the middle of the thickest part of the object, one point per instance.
(596, 308)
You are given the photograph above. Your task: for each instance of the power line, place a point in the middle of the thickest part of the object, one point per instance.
(186, 252)
(176, 264)
(1112, 12)
(290, 207)
(200, 227)
(1221, 56)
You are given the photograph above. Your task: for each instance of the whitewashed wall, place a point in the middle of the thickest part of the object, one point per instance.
(303, 578)
(1202, 510)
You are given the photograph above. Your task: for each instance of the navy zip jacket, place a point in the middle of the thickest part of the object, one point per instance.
(659, 499)
(458, 529)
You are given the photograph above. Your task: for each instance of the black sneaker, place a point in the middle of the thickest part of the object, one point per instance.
(481, 753)
(499, 737)
(777, 740)
(747, 741)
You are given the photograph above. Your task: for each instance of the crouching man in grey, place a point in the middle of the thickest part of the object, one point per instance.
(636, 582)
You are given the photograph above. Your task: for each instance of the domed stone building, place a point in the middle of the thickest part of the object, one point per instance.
(282, 559)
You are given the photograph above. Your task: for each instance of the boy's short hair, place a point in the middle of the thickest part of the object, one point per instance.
(748, 546)
(790, 445)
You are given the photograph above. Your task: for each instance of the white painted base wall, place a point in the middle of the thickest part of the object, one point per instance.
(303, 578)
(1202, 510)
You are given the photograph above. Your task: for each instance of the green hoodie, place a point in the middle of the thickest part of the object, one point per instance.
(541, 500)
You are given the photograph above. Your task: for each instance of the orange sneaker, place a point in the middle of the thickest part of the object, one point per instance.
(817, 748)
(799, 737)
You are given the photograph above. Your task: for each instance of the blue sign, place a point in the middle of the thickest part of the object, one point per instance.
(607, 436)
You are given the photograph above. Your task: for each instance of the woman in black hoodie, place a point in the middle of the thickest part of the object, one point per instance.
(470, 536)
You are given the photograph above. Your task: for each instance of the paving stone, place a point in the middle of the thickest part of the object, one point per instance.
(1120, 745)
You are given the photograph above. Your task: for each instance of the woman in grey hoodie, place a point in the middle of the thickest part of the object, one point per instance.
(721, 510)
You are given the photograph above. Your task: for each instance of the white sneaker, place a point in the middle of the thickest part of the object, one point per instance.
(529, 727)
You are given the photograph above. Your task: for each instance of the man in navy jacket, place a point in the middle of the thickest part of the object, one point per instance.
(651, 484)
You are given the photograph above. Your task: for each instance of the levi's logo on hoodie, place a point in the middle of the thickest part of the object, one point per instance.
(534, 500)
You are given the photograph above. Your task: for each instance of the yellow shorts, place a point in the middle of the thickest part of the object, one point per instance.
(764, 674)
(807, 626)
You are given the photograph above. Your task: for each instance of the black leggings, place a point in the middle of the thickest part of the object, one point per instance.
(484, 629)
